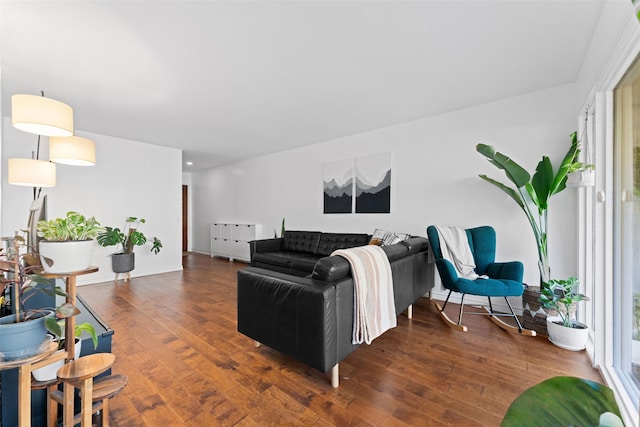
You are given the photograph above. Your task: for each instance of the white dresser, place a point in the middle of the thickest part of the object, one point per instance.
(232, 240)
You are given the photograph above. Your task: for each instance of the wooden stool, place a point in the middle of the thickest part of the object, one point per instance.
(104, 389)
(52, 403)
(80, 373)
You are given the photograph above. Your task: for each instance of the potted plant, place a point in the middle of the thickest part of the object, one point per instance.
(56, 327)
(23, 333)
(68, 242)
(123, 261)
(532, 194)
(581, 175)
(562, 296)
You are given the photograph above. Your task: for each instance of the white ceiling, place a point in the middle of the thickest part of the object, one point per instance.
(228, 80)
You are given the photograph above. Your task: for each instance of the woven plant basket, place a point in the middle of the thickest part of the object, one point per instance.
(534, 316)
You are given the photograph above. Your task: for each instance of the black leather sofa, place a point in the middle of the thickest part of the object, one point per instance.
(297, 252)
(311, 318)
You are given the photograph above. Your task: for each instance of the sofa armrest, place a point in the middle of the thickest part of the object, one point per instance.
(309, 320)
(331, 269)
(416, 244)
(265, 245)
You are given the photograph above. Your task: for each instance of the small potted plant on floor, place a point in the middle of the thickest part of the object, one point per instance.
(123, 261)
(68, 242)
(562, 296)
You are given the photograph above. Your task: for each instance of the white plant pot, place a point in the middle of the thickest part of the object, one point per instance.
(574, 339)
(49, 372)
(586, 178)
(66, 256)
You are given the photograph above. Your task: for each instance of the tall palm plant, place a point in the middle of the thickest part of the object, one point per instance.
(532, 193)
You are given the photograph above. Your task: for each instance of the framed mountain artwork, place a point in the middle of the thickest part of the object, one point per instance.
(373, 183)
(337, 183)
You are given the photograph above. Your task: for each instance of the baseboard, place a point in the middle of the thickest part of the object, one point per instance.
(109, 276)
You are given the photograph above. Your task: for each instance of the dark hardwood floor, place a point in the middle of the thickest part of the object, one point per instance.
(176, 340)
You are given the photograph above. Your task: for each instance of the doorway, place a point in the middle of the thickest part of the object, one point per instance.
(185, 219)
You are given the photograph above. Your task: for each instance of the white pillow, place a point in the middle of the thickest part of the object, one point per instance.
(388, 237)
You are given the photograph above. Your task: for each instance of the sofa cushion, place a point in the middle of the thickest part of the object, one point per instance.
(282, 259)
(329, 242)
(303, 261)
(301, 241)
(385, 238)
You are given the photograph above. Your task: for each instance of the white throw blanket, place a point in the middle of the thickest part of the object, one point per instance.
(374, 309)
(454, 247)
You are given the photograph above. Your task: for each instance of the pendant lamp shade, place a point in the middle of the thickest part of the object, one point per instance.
(73, 150)
(42, 116)
(32, 173)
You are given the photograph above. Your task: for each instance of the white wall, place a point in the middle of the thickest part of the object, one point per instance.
(434, 179)
(129, 179)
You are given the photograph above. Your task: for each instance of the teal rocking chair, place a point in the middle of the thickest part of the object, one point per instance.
(504, 278)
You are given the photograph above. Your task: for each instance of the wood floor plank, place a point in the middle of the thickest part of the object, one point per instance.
(176, 340)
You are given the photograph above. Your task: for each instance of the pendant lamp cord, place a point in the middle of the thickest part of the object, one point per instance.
(37, 190)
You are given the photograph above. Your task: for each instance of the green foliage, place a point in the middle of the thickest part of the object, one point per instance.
(73, 227)
(560, 295)
(564, 401)
(56, 327)
(20, 269)
(129, 237)
(156, 244)
(532, 193)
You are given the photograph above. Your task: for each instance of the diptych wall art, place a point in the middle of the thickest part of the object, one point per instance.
(360, 185)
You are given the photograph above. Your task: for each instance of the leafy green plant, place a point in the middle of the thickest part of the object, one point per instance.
(532, 193)
(564, 401)
(128, 237)
(19, 269)
(560, 295)
(74, 226)
(56, 327)
(282, 230)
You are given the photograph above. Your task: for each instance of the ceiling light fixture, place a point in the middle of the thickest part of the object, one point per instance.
(45, 116)
(41, 116)
(72, 150)
(32, 173)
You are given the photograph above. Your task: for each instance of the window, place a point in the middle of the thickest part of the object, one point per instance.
(626, 230)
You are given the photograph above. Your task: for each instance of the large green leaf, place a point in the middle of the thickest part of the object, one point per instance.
(516, 173)
(541, 183)
(562, 401)
(510, 191)
(560, 180)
